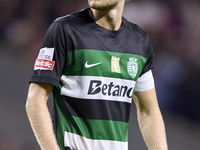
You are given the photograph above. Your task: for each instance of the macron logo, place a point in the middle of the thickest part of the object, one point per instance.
(91, 65)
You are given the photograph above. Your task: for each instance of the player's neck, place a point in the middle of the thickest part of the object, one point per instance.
(110, 19)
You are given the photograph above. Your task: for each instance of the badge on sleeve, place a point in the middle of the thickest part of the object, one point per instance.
(44, 59)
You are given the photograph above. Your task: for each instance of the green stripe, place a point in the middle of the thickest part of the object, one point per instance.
(78, 58)
(91, 129)
(61, 110)
(95, 129)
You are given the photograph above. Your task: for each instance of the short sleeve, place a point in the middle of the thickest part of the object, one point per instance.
(145, 82)
(149, 55)
(52, 56)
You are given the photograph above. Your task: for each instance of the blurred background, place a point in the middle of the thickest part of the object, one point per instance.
(174, 30)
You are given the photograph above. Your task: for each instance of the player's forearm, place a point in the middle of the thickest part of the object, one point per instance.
(153, 130)
(41, 124)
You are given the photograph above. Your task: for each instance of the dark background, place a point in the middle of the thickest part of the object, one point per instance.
(174, 30)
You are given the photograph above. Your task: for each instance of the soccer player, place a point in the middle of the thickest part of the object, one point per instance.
(94, 61)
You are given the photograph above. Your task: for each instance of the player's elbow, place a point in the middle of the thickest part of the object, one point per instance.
(29, 103)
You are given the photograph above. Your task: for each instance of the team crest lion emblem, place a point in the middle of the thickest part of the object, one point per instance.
(132, 67)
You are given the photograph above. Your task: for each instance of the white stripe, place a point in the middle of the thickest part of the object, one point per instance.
(76, 142)
(145, 82)
(78, 87)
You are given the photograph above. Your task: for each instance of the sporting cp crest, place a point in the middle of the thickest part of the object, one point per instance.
(132, 67)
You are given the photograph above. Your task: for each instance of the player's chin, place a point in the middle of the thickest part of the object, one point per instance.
(98, 6)
(93, 2)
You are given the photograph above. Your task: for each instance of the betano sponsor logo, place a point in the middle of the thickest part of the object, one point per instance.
(110, 89)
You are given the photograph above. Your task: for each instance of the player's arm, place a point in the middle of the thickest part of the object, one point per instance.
(150, 120)
(39, 116)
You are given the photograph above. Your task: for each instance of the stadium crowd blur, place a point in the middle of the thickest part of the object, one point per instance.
(173, 27)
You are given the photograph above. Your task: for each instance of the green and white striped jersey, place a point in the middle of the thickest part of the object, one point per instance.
(95, 72)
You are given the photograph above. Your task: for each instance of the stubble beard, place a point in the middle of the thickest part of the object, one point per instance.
(102, 5)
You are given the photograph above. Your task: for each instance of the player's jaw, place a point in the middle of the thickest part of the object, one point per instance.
(103, 4)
